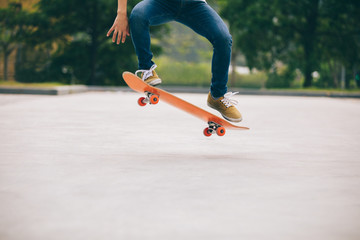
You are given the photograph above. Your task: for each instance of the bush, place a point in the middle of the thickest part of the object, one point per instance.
(253, 80)
(183, 73)
(281, 79)
(174, 73)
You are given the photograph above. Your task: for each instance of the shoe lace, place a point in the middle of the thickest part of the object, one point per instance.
(146, 73)
(228, 102)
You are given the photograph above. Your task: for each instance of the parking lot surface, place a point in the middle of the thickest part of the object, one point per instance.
(97, 166)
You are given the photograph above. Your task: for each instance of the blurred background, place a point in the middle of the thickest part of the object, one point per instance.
(312, 44)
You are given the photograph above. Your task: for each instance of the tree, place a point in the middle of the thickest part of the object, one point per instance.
(294, 33)
(340, 41)
(278, 30)
(79, 28)
(12, 29)
(76, 31)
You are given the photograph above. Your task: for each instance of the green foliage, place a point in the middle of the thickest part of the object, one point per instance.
(183, 44)
(15, 25)
(276, 80)
(280, 77)
(69, 44)
(253, 80)
(177, 73)
(302, 34)
(41, 85)
(79, 30)
(183, 73)
(310, 35)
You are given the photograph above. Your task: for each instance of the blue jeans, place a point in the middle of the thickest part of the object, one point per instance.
(197, 15)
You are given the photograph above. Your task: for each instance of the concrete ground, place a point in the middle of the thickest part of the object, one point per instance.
(97, 166)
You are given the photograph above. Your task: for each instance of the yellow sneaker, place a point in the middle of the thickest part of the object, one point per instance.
(225, 106)
(149, 76)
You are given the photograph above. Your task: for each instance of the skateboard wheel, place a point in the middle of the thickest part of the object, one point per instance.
(141, 101)
(154, 99)
(220, 131)
(207, 132)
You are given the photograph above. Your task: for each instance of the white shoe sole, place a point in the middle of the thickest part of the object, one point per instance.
(232, 119)
(155, 82)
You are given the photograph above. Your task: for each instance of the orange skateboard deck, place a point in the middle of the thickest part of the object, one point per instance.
(153, 95)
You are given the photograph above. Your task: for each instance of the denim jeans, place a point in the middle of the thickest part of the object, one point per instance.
(197, 15)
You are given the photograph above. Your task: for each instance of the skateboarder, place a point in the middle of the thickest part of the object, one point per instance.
(197, 15)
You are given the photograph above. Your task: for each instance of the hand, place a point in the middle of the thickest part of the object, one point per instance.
(120, 29)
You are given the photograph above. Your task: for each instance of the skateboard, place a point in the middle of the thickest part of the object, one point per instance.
(153, 95)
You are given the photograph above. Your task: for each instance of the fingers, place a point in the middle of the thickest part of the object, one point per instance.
(120, 30)
(115, 34)
(110, 31)
(125, 34)
(118, 35)
(124, 37)
(119, 38)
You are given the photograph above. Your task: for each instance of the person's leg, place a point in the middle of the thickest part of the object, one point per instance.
(145, 14)
(200, 17)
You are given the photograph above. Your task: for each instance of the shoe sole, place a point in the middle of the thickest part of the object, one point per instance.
(232, 119)
(155, 82)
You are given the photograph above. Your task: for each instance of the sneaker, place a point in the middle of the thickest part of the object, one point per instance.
(149, 76)
(225, 106)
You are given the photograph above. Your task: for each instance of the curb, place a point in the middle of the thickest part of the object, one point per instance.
(62, 90)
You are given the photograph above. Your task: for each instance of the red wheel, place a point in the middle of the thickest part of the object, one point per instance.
(154, 99)
(141, 101)
(220, 131)
(207, 133)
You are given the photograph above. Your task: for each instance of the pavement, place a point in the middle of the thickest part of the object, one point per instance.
(96, 166)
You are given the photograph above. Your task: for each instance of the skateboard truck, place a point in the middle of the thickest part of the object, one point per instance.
(214, 128)
(150, 98)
